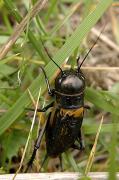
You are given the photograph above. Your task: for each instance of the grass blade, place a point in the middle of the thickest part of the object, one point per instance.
(53, 4)
(29, 136)
(92, 153)
(36, 44)
(71, 161)
(68, 15)
(107, 128)
(105, 100)
(112, 150)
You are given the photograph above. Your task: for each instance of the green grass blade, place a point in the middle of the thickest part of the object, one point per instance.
(3, 98)
(36, 44)
(13, 10)
(105, 100)
(53, 4)
(6, 70)
(106, 128)
(67, 49)
(62, 22)
(71, 161)
(113, 150)
(41, 26)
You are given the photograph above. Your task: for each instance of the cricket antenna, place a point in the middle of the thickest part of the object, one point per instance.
(79, 66)
(51, 57)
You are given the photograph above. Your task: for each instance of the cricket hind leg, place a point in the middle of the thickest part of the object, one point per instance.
(75, 146)
(81, 141)
(61, 164)
(80, 146)
(36, 147)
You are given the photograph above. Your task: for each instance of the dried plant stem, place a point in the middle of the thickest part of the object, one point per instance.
(32, 98)
(21, 27)
(29, 136)
(92, 153)
(92, 68)
(100, 68)
(106, 40)
(115, 4)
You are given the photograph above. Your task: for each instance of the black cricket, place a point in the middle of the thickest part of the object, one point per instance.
(63, 126)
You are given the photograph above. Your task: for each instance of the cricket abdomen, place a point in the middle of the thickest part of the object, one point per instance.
(63, 131)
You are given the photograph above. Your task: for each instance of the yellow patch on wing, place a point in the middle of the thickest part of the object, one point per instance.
(41, 117)
(72, 112)
(53, 113)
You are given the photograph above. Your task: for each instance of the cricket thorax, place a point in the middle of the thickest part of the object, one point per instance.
(70, 102)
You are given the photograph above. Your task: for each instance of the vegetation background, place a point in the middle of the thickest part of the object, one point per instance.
(64, 28)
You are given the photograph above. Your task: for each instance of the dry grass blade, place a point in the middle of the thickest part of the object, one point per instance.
(92, 68)
(21, 27)
(106, 40)
(29, 136)
(32, 99)
(92, 153)
(115, 25)
(115, 4)
(101, 68)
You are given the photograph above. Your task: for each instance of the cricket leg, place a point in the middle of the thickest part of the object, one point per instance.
(36, 146)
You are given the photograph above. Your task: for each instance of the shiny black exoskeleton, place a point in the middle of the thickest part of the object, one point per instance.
(63, 126)
(64, 122)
